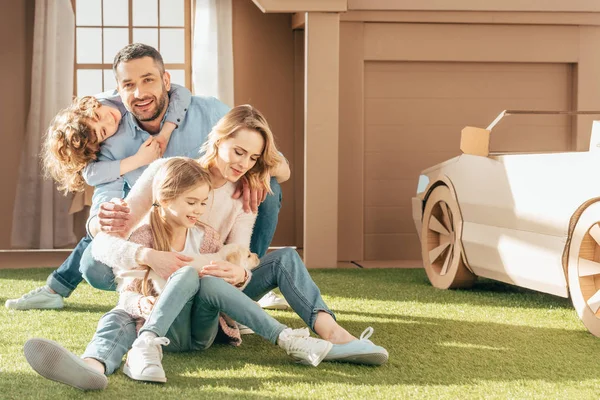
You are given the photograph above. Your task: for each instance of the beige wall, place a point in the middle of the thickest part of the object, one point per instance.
(263, 49)
(16, 34)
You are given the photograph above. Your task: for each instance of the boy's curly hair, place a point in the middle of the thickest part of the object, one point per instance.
(70, 144)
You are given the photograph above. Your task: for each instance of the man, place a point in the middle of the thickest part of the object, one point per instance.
(143, 88)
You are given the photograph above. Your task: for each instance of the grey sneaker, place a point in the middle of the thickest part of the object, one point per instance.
(244, 330)
(54, 362)
(307, 350)
(40, 298)
(271, 301)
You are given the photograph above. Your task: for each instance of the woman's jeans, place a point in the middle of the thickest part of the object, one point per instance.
(194, 316)
(100, 276)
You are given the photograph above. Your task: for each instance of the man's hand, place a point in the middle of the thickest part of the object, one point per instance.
(114, 218)
(164, 263)
(231, 273)
(252, 197)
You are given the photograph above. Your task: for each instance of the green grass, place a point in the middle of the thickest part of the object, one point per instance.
(492, 341)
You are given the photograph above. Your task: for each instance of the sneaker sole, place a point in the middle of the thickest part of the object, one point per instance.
(276, 307)
(54, 362)
(364, 359)
(137, 377)
(41, 307)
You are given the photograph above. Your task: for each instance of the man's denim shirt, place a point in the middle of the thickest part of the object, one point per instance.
(186, 140)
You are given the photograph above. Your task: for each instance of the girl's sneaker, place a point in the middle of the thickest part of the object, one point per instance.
(144, 360)
(307, 350)
(359, 351)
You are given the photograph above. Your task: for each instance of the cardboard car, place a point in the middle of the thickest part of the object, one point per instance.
(531, 220)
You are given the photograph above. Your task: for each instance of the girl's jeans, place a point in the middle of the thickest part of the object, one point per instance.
(192, 306)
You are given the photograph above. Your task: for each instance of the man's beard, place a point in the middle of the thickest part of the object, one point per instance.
(159, 109)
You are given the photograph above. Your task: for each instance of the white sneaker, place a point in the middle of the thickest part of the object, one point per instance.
(307, 350)
(144, 360)
(40, 298)
(244, 330)
(271, 301)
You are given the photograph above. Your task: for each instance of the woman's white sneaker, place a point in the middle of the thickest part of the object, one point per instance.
(307, 350)
(271, 301)
(40, 298)
(144, 360)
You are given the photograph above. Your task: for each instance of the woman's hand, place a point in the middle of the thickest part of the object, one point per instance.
(231, 273)
(252, 197)
(164, 263)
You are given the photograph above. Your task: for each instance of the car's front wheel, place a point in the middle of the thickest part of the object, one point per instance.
(583, 268)
(441, 246)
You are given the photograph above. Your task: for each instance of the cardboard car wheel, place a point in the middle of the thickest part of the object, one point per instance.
(583, 268)
(441, 246)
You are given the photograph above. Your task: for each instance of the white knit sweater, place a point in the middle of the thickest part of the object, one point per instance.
(224, 214)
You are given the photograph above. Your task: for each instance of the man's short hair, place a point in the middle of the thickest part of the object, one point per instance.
(138, 50)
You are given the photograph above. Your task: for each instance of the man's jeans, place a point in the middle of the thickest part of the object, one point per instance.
(81, 264)
(282, 268)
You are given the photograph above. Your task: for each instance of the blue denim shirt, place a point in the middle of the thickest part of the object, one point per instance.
(202, 114)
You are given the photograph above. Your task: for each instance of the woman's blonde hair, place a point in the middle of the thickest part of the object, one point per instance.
(243, 117)
(177, 176)
(70, 144)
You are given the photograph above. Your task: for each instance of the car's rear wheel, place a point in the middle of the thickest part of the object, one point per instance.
(441, 246)
(583, 268)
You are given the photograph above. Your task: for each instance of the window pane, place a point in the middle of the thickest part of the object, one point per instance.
(145, 12)
(89, 45)
(116, 12)
(177, 76)
(114, 40)
(172, 45)
(88, 12)
(147, 36)
(171, 13)
(109, 80)
(89, 82)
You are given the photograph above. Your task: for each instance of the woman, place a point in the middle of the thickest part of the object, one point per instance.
(239, 146)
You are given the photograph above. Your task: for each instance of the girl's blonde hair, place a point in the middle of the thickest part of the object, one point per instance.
(243, 117)
(70, 144)
(177, 176)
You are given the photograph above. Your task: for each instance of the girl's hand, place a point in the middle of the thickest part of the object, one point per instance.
(164, 263)
(231, 273)
(148, 152)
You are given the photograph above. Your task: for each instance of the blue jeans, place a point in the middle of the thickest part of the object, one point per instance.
(187, 311)
(101, 276)
(66, 278)
(282, 268)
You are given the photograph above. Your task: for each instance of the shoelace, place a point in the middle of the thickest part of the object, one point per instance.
(150, 350)
(34, 291)
(367, 333)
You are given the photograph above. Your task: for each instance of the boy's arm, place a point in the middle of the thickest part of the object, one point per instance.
(111, 98)
(179, 101)
(99, 172)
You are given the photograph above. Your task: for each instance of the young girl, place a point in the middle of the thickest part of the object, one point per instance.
(241, 144)
(72, 142)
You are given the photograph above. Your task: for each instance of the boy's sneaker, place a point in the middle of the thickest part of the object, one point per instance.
(359, 351)
(54, 362)
(271, 301)
(40, 298)
(307, 350)
(244, 330)
(144, 360)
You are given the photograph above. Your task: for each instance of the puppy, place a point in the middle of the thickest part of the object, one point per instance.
(233, 253)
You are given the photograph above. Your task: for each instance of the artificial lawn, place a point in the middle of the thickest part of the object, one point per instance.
(491, 341)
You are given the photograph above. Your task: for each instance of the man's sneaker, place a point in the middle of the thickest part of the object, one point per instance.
(144, 360)
(54, 362)
(307, 350)
(271, 301)
(244, 330)
(40, 298)
(359, 351)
